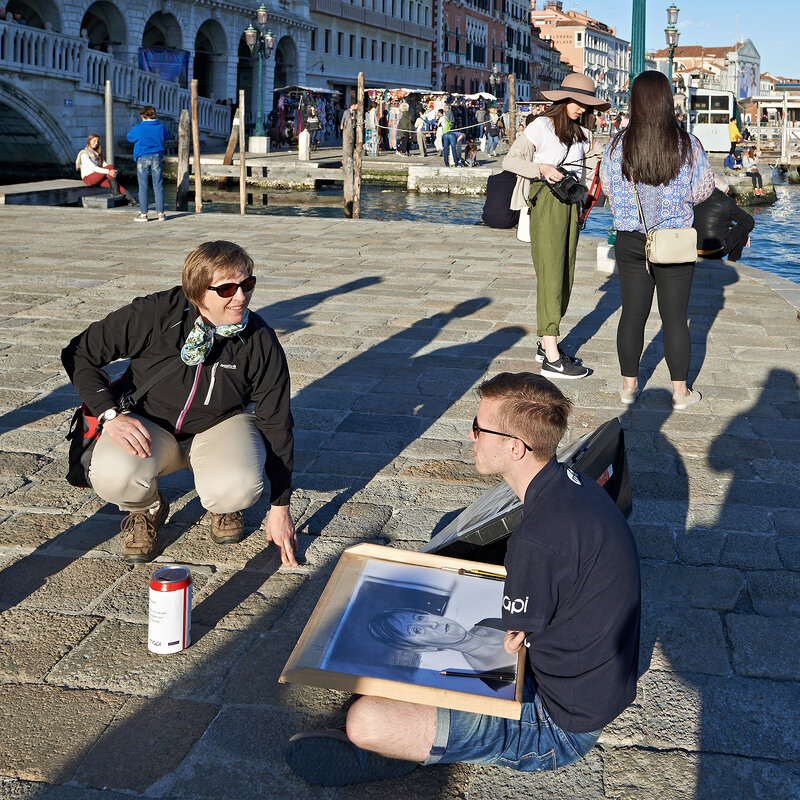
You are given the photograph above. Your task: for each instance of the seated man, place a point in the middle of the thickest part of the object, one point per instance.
(722, 227)
(572, 597)
(733, 160)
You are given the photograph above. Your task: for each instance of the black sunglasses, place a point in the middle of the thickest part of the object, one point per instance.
(230, 289)
(476, 429)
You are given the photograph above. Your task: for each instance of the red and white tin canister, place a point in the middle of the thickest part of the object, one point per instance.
(170, 616)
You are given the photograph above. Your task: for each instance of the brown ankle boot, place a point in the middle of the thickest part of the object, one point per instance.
(140, 533)
(227, 528)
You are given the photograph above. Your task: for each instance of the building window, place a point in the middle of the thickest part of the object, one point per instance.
(314, 39)
(374, 50)
(418, 53)
(352, 46)
(340, 44)
(383, 52)
(402, 54)
(393, 50)
(363, 48)
(327, 40)
(425, 59)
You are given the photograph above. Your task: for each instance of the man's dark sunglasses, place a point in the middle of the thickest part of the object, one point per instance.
(476, 430)
(230, 289)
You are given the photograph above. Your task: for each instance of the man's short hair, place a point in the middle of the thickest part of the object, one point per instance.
(721, 181)
(147, 112)
(201, 264)
(531, 407)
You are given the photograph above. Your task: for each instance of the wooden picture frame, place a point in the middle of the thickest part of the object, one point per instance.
(411, 626)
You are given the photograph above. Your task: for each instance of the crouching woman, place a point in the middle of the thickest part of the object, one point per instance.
(215, 360)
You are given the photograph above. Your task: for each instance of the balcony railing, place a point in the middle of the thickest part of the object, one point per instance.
(34, 51)
(453, 59)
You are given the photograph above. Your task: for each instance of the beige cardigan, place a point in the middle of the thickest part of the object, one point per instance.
(519, 160)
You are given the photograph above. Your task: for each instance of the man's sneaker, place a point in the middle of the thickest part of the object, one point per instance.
(140, 218)
(140, 533)
(227, 528)
(563, 368)
(541, 355)
(162, 217)
(329, 758)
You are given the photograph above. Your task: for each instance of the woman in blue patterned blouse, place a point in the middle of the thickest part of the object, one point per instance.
(671, 172)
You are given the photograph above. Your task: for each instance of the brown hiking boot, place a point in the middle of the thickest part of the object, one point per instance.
(227, 528)
(140, 533)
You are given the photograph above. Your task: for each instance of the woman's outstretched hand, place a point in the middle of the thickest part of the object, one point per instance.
(279, 530)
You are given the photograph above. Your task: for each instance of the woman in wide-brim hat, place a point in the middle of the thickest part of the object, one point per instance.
(561, 146)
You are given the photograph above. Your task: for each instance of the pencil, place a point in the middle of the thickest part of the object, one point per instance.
(507, 677)
(475, 573)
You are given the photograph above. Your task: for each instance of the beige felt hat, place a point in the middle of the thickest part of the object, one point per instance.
(579, 88)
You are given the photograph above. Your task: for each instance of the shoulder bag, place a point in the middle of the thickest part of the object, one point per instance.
(668, 245)
(85, 429)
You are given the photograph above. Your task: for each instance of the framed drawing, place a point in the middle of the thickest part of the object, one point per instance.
(411, 626)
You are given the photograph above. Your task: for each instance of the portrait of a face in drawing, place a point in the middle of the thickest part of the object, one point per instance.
(409, 623)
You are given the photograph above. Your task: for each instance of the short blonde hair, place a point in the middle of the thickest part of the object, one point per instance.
(201, 264)
(531, 407)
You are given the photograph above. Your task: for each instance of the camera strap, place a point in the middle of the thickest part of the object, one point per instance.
(532, 200)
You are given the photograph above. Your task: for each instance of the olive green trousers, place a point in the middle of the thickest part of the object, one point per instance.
(554, 245)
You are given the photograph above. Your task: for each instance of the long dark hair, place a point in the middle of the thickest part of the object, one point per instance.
(567, 130)
(654, 146)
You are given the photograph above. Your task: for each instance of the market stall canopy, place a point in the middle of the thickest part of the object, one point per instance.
(479, 96)
(314, 89)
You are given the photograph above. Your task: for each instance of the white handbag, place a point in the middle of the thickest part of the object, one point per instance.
(524, 225)
(668, 245)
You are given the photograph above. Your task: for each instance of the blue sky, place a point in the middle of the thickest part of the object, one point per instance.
(772, 26)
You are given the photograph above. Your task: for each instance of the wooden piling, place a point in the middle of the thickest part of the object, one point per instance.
(184, 134)
(512, 109)
(347, 166)
(242, 158)
(359, 148)
(198, 176)
(230, 150)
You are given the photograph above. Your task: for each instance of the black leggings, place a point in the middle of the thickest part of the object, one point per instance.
(756, 178)
(672, 283)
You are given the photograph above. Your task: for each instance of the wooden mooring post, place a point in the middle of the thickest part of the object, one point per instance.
(348, 132)
(182, 189)
(230, 149)
(359, 148)
(242, 158)
(198, 176)
(512, 109)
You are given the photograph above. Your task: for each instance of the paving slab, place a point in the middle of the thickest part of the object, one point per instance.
(385, 353)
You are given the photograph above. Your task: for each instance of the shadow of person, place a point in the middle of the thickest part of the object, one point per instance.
(408, 393)
(588, 326)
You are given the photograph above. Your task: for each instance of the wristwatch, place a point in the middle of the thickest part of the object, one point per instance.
(108, 415)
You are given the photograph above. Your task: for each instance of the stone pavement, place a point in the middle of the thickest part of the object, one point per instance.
(387, 327)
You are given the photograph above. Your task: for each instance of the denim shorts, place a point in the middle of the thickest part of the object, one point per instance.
(530, 744)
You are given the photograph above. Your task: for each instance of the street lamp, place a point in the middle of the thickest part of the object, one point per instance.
(265, 41)
(672, 33)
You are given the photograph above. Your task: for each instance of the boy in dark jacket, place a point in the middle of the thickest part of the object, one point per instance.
(148, 139)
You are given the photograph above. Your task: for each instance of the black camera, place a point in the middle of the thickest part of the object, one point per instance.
(569, 190)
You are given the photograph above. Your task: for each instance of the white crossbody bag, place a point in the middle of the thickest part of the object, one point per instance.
(668, 245)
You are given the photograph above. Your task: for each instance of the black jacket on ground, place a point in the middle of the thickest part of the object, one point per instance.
(722, 227)
(247, 368)
(497, 211)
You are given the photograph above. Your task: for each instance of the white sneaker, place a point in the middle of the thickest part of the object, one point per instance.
(140, 218)
(162, 217)
(681, 402)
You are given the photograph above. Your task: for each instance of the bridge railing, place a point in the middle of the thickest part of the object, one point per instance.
(33, 50)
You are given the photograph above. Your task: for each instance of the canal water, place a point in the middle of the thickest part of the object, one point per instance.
(773, 243)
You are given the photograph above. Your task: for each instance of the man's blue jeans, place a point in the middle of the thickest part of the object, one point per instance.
(449, 143)
(145, 166)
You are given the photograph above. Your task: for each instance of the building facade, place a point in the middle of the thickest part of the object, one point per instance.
(589, 46)
(391, 41)
(734, 69)
(517, 16)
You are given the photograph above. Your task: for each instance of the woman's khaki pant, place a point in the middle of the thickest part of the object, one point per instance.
(554, 245)
(227, 461)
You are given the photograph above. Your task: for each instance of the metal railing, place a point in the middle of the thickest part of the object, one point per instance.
(34, 51)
